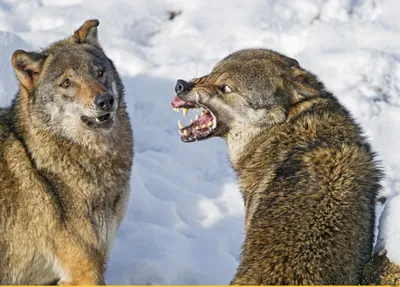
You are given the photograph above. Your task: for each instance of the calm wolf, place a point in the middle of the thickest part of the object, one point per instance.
(307, 174)
(66, 152)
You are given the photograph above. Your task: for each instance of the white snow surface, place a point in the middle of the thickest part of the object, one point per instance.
(389, 230)
(185, 219)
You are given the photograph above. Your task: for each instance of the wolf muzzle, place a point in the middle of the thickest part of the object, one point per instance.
(104, 102)
(181, 86)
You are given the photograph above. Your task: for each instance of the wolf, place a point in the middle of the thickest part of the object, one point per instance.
(381, 271)
(308, 176)
(66, 151)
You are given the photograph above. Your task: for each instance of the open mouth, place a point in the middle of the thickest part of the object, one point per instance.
(201, 127)
(102, 122)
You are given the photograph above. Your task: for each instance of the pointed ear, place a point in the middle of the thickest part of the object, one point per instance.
(306, 85)
(27, 67)
(87, 33)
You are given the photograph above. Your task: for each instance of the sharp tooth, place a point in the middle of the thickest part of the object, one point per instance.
(210, 124)
(97, 120)
(203, 126)
(176, 110)
(180, 125)
(180, 132)
(185, 133)
(191, 121)
(185, 111)
(197, 117)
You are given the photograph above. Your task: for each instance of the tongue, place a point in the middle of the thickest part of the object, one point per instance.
(204, 119)
(201, 123)
(178, 103)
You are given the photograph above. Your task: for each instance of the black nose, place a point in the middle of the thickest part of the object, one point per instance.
(104, 102)
(181, 86)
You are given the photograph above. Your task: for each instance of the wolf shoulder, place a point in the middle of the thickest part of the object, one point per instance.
(5, 124)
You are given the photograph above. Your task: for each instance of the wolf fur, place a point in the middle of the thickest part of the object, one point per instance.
(64, 177)
(307, 174)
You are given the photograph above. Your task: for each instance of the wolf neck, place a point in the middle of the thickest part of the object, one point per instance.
(242, 143)
(238, 141)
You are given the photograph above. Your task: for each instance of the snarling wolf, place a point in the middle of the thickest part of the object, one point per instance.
(65, 161)
(307, 174)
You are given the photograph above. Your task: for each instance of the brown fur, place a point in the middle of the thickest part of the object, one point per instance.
(306, 173)
(380, 271)
(63, 186)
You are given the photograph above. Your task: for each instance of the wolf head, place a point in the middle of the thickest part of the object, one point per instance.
(71, 88)
(249, 88)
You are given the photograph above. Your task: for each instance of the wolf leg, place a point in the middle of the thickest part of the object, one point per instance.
(79, 266)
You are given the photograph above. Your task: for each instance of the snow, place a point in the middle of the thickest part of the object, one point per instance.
(9, 42)
(185, 219)
(389, 225)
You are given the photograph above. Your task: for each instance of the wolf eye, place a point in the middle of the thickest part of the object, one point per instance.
(225, 89)
(66, 83)
(100, 73)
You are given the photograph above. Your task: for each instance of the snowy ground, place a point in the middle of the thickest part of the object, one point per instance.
(185, 219)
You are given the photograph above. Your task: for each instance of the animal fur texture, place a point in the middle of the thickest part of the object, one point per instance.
(66, 152)
(381, 271)
(307, 174)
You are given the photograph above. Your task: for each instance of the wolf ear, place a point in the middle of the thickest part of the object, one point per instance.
(87, 33)
(27, 67)
(306, 85)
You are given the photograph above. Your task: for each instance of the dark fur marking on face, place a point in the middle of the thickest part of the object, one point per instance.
(65, 98)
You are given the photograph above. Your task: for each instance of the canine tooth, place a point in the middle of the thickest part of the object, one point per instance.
(191, 121)
(180, 132)
(180, 125)
(203, 126)
(185, 133)
(176, 110)
(210, 124)
(185, 111)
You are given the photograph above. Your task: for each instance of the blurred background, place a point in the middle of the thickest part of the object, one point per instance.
(185, 219)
